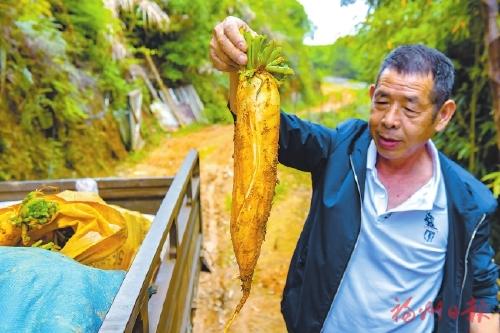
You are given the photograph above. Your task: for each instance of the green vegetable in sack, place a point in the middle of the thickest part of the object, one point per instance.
(33, 212)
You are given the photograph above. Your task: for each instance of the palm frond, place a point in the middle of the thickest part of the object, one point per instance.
(127, 4)
(153, 15)
(113, 6)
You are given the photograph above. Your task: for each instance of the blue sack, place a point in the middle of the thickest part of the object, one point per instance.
(44, 291)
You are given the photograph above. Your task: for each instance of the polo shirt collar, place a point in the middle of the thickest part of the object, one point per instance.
(436, 196)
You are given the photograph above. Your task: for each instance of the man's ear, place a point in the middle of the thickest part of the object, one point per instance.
(372, 90)
(444, 115)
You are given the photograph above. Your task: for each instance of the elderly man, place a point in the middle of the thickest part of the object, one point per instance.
(397, 235)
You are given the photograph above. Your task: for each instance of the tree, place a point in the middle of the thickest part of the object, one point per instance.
(471, 137)
(489, 11)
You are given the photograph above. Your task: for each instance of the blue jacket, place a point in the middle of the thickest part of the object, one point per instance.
(336, 159)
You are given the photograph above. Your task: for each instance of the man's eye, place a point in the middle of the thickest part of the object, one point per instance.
(381, 102)
(411, 113)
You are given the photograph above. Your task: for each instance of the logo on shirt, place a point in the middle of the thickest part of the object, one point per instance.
(430, 228)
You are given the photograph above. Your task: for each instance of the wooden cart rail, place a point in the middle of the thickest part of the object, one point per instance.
(141, 194)
(168, 260)
(158, 290)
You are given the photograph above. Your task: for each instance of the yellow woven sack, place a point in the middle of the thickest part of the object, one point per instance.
(9, 234)
(104, 236)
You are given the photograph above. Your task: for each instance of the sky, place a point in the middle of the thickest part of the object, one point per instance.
(331, 20)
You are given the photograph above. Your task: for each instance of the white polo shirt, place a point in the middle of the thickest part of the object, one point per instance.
(396, 268)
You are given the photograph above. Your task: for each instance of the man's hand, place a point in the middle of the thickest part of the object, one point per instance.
(228, 52)
(228, 47)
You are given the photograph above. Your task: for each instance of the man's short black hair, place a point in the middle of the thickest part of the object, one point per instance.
(420, 59)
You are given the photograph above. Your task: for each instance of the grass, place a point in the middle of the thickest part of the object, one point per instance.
(189, 129)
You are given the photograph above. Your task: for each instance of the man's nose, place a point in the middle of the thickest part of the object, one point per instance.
(391, 117)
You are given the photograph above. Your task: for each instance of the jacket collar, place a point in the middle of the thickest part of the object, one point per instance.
(459, 195)
(437, 192)
(358, 153)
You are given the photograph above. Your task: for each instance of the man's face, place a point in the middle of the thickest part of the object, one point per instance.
(401, 119)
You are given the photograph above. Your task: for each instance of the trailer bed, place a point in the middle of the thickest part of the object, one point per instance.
(158, 290)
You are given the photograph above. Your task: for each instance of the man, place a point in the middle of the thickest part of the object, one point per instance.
(397, 236)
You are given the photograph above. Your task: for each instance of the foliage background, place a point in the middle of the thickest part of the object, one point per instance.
(63, 91)
(60, 79)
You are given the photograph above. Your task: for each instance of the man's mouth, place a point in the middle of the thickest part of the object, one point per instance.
(388, 142)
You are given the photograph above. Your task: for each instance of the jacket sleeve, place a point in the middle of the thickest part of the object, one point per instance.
(485, 271)
(303, 145)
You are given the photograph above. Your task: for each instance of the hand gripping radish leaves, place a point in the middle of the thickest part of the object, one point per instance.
(256, 137)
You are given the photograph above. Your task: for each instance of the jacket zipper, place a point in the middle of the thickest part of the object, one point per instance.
(357, 237)
(356, 179)
(466, 264)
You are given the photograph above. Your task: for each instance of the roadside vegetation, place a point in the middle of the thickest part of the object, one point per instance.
(65, 74)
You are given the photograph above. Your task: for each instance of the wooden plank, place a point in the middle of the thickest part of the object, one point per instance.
(177, 309)
(140, 194)
(134, 182)
(157, 301)
(145, 206)
(171, 303)
(183, 219)
(192, 274)
(29, 185)
(110, 182)
(128, 301)
(133, 192)
(193, 287)
(172, 317)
